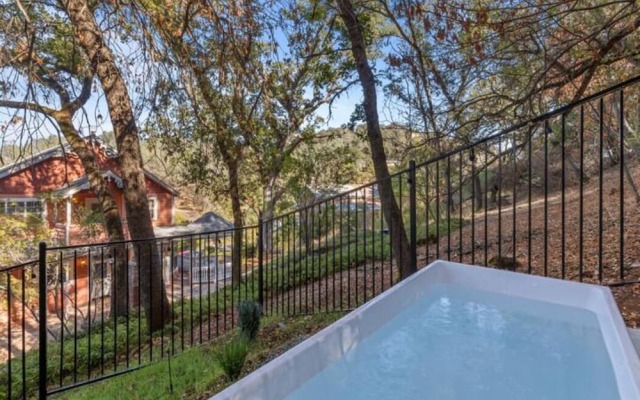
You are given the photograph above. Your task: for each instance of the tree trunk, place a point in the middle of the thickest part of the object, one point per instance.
(392, 213)
(236, 209)
(231, 155)
(108, 206)
(305, 231)
(89, 36)
(632, 182)
(494, 195)
(576, 169)
(268, 212)
(478, 192)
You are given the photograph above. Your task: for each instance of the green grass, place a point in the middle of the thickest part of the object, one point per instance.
(358, 248)
(75, 356)
(108, 344)
(232, 356)
(195, 374)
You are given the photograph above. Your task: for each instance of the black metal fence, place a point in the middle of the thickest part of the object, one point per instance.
(554, 196)
(97, 327)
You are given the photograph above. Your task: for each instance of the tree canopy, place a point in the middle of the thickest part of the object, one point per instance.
(239, 96)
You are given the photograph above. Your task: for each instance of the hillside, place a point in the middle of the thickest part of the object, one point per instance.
(467, 244)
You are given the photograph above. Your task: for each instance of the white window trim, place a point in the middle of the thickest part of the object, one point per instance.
(154, 209)
(6, 200)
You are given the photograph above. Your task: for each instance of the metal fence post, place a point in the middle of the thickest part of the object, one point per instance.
(42, 320)
(413, 218)
(260, 263)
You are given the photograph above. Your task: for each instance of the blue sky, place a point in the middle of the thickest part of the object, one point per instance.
(90, 121)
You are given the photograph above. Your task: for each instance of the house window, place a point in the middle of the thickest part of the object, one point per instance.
(22, 207)
(93, 204)
(153, 208)
(33, 207)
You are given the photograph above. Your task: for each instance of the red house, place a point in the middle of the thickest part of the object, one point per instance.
(53, 184)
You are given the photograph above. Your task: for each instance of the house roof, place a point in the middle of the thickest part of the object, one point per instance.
(61, 151)
(208, 222)
(11, 169)
(213, 221)
(83, 184)
(160, 182)
(73, 188)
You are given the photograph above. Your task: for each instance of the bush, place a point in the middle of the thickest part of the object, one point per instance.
(232, 356)
(180, 220)
(249, 314)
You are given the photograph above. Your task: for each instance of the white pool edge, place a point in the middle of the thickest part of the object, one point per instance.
(284, 374)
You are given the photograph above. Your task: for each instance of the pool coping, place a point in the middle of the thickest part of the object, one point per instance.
(634, 335)
(290, 371)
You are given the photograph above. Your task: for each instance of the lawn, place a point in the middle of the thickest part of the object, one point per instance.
(194, 373)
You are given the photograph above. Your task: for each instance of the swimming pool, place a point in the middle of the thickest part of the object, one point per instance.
(457, 332)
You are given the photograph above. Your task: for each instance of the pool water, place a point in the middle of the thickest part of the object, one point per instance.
(463, 343)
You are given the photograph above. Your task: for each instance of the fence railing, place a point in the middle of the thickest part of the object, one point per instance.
(554, 196)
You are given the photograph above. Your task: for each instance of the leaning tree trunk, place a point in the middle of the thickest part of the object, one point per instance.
(392, 213)
(89, 36)
(108, 206)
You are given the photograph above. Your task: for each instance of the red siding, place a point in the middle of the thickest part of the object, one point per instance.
(164, 200)
(57, 172)
(51, 174)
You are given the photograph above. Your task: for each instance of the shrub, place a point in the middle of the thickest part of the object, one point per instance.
(507, 263)
(249, 314)
(180, 219)
(232, 356)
